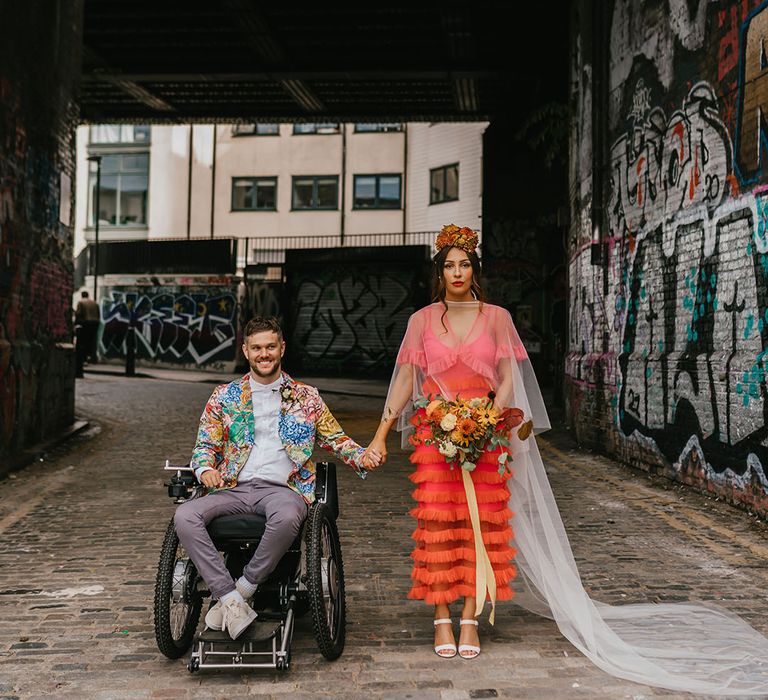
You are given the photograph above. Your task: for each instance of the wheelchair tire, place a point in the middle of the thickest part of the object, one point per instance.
(174, 636)
(325, 581)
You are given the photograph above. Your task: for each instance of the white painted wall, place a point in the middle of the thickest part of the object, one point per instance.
(434, 145)
(282, 156)
(168, 176)
(373, 154)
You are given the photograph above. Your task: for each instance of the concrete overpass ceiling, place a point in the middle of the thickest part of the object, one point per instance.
(190, 60)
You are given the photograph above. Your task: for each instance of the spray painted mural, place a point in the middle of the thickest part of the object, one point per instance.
(196, 326)
(669, 328)
(351, 321)
(37, 152)
(351, 316)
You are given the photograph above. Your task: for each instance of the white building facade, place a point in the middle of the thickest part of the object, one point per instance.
(274, 182)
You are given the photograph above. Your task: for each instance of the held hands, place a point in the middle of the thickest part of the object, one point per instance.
(375, 454)
(369, 461)
(212, 479)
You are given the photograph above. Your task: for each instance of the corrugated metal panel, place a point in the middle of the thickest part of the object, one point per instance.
(348, 308)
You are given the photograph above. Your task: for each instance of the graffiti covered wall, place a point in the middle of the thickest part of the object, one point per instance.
(188, 321)
(348, 308)
(38, 112)
(668, 327)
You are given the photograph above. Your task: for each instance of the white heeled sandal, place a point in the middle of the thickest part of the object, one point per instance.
(468, 651)
(445, 651)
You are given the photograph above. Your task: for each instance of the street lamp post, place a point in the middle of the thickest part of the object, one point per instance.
(130, 340)
(96, 211)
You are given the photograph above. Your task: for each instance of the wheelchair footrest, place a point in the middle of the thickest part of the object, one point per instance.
(265, 644)
(259, 631)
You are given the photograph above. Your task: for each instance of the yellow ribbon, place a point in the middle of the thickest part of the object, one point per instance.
(485, 580)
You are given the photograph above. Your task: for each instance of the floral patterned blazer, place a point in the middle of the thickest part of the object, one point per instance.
(226, 433)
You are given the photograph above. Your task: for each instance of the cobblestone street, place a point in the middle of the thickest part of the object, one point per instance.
(83, 530)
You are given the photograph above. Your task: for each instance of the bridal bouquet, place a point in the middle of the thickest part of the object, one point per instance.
(463, 428)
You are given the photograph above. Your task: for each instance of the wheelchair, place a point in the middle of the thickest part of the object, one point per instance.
(309, 578)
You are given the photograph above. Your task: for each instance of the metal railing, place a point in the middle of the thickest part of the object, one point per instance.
(271, 251)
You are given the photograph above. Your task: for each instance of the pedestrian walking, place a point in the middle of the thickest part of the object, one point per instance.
(87, 319)
(464, 396)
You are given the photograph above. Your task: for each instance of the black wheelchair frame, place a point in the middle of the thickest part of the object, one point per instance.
(309, 577)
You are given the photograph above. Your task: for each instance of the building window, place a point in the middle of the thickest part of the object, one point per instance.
(118, 134)
(444, 184)
(254, 194)
(316, 192)
(377, 192)
(378, 128)
(124, 189)
(315, 128)
(256, 130)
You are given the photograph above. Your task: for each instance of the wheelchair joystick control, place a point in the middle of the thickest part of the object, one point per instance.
(183, 482)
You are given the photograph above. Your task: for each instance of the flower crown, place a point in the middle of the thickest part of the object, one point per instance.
(454, 237)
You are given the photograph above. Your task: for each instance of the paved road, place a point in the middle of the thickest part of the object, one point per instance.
(82, 531)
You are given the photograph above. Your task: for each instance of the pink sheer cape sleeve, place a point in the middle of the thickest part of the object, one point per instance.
(521, 389)
(408, 376)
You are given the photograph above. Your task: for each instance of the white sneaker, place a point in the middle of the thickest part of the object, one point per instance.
(214, 618)
(237, 617)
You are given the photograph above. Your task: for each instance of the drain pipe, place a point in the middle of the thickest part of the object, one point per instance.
(343, 181)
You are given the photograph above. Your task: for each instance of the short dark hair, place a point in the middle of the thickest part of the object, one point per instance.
(259, 324)
(84, 295)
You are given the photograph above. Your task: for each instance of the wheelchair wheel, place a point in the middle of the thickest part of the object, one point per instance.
(325, 581)
(177, 601)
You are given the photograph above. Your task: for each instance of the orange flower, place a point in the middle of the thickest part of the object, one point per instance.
(467, 426)
(438, 414)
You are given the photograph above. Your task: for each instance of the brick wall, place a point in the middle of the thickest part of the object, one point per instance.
(39, 69)
(668, 327)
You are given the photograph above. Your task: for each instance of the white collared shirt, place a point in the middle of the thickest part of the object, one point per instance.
(268, 460)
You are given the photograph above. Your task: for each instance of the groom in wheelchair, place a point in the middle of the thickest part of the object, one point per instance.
(252, 454)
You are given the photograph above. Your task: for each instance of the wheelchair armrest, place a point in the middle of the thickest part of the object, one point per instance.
(326, 490)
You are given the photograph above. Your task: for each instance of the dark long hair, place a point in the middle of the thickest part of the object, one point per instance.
(438, 279)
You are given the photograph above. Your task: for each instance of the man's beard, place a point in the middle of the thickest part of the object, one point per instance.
(274, 369)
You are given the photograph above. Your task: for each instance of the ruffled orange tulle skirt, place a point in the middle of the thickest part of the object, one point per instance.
(444, 557)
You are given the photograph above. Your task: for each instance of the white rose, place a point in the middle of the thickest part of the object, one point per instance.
(448, 423)
(447, 449)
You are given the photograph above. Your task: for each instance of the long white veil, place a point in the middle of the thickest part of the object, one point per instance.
(695, 647)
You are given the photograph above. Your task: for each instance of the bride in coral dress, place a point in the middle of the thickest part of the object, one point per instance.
(458, 347)
(487, 524)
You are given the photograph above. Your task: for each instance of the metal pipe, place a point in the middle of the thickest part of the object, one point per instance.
(189, 181)
(404, 181)
(97, 212)
(213, 180)
(343, 180)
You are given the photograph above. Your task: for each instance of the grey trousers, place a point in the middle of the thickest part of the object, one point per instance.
(284, 509)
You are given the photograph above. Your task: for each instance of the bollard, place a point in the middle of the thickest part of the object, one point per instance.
(130, 351)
